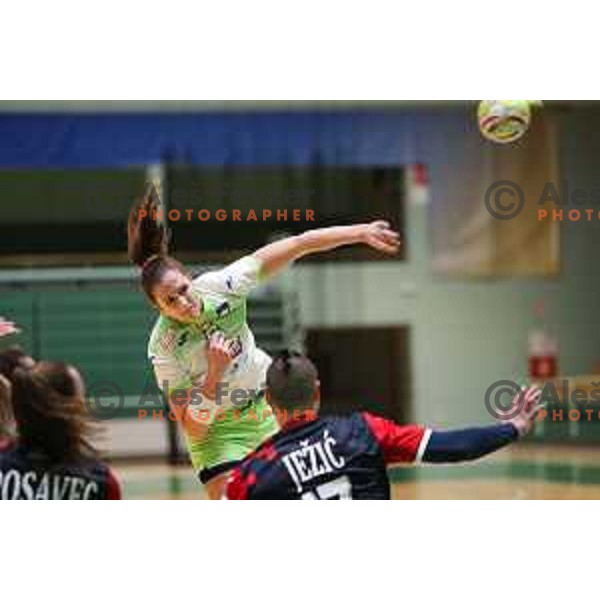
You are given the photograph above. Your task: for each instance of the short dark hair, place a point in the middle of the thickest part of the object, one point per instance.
(292, 381)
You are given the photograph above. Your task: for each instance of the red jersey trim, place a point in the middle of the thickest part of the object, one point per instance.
(398, 443)
(237, 485)
(113, 485)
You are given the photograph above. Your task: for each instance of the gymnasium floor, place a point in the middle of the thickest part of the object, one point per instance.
(522, 472)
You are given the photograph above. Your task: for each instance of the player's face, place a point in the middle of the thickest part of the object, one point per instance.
(175, 297)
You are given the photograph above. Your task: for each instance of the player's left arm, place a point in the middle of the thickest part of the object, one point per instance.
(277, 255)
(475, 442)
(414, 443)
(462, 445)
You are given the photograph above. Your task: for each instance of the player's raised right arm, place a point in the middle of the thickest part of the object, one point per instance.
(278, 255)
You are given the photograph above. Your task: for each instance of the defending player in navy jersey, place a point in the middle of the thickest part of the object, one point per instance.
(314, 458)
(50, 457)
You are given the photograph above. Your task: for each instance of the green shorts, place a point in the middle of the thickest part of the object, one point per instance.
(231, 436)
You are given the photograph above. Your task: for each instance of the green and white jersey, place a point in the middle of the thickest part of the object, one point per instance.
(178, 351)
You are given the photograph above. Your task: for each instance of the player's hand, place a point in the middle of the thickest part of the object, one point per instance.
(529, 401)
(381, 236)
(220, 352)
(7, 327)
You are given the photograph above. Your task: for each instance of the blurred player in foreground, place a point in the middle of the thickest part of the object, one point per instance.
(50, 457)
(6, 416)
(202, 341)
(10, 359)
(315, 458)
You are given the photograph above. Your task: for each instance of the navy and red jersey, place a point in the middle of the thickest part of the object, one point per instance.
(27, 475)
(327, 458)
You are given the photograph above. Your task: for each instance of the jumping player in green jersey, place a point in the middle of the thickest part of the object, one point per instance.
(202, 350)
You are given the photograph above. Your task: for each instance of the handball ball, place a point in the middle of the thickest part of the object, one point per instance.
(503, 121)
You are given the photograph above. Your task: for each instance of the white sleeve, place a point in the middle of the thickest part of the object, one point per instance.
(170, 377)
(238, 278)
(169, 374)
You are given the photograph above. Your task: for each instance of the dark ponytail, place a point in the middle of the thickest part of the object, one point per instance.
(147, 236)
(148, 240)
